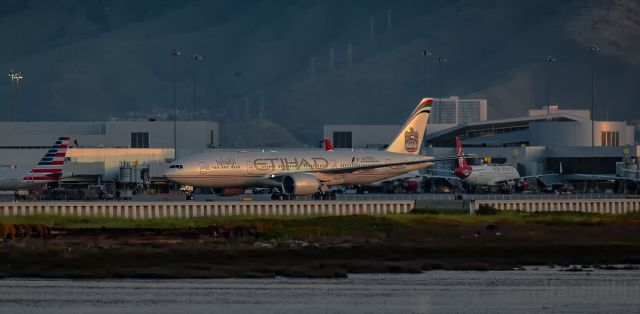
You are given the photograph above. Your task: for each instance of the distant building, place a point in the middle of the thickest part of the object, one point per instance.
(454, 110)
(361, 136)
(546, 110)
(99, 149)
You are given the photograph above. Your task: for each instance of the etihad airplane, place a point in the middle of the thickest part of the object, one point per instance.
(307, 172)
(485, 175)
(48, 169)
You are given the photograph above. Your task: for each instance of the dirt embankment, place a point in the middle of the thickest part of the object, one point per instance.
(320, 247)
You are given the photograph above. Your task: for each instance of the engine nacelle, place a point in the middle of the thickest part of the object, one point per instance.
(300, 184)
(228, 191)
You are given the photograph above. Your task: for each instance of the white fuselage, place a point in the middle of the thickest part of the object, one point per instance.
(491, 175)
(225, 169)
(12, 179)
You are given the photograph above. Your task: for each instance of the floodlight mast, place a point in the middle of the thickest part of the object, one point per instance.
(174, 54)
(195, 57)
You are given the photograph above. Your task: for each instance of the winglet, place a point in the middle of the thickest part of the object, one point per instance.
(328, 146)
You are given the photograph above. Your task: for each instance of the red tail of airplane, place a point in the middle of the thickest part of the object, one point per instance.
(328, 146)
(463, 170)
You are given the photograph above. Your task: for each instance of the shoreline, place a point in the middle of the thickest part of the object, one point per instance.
(320, 247)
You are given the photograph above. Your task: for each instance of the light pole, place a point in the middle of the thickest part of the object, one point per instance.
(15, 77)
(441, 62)
(174, 54)
(195, 57)
(594, 49)
(549, 60)
(426, 53)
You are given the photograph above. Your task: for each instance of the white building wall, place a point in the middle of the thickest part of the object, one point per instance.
(549, 133)
(584, 114)
(192, 136)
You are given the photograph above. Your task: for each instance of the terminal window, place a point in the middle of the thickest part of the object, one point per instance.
(342, 139)
(140, 140)
(610, 138)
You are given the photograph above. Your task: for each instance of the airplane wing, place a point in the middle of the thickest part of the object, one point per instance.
(605, 177)
(432, 176)
(352, 169)
(527, 177)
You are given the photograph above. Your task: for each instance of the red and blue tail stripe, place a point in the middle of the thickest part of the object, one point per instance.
(49, 168)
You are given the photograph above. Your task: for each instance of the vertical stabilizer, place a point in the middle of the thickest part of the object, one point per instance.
(412, 133)
(49, 168)
(328, 146)
(463, 170)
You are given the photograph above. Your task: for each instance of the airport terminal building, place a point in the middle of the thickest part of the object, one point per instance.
(114, 151)
(534, 144)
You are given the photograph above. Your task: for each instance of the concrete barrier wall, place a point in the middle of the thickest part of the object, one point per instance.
(603, 206)
(144, 210)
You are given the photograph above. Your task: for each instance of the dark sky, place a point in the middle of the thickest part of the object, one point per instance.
(95, 60)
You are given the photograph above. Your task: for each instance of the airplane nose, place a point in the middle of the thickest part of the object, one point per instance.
(173, 171)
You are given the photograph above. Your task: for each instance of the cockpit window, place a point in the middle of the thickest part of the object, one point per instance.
(175, 167)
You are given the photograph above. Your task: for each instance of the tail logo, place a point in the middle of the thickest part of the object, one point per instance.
(411, 140)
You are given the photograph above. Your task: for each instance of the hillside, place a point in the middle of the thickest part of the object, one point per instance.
(92, 60)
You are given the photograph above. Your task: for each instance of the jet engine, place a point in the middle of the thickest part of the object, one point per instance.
(228, 191)
(300, 184)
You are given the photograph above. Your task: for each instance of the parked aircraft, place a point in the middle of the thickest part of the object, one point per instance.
(307, 172)
(485, 175)
(48, 169)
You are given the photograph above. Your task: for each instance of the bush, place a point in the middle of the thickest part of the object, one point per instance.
(486, 210)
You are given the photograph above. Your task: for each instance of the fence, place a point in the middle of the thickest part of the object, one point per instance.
(142, 210)
(604, 206)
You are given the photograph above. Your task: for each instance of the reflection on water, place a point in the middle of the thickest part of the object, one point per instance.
(531, 291)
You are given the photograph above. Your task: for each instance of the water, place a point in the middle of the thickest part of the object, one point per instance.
(531, 291)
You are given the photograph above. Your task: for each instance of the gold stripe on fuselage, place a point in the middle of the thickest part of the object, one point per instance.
(235, 169)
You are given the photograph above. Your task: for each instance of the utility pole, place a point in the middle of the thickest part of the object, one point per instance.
(426, 52)
(331, 59)
(389, 26)
(594, 49)
(441, 62)
(195, 57)
(549, 60)
(312, 67)
(372, 29)
(174, 54)
(15, 77)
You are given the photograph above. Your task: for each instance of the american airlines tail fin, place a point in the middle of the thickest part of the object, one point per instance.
(49, 168)
(410, 137)
(328, 146)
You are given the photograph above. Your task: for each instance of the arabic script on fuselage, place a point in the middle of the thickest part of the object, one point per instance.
(290, 163)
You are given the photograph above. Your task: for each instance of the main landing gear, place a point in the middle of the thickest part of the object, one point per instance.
(277, 196)
(325, 196)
